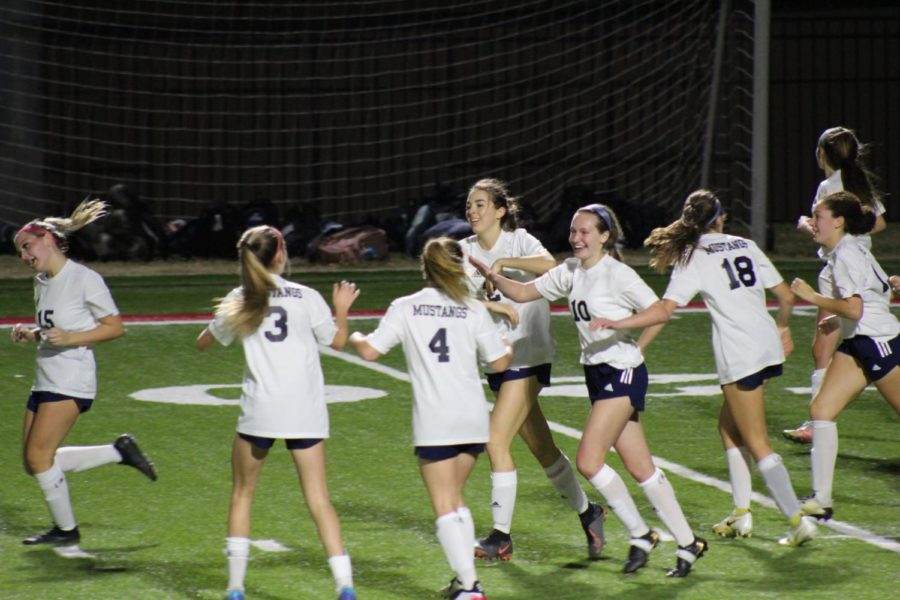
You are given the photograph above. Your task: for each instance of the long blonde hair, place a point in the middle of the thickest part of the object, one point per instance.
(257, 248)
(442, 266)
(84, 214)
(675, 243)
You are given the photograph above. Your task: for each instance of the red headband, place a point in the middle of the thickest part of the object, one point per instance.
(278, 237)
(33, 229)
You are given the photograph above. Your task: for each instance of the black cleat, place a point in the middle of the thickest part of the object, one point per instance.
(592, 523)
(496, 546)
(55, 536)
(686, 556)
(133, 457)
(640, 551)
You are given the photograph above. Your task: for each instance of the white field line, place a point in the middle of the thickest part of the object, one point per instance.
(839, 526)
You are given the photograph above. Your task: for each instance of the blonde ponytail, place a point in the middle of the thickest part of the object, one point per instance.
(257, 248)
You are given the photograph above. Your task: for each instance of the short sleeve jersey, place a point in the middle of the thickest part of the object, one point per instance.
(442, 341)
(835, 183)
(531, 339)
(732, 274)
(283, 391)
(855, 272)
(75, 299)
(609, 289)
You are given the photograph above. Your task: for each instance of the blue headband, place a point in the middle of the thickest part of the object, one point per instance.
(602, 213)
(716, 213)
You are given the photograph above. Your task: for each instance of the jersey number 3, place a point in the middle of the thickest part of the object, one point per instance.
(280, 332)
(740, 273)
(438, 345)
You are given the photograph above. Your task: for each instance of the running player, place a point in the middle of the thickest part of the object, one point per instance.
(74, 311)
(731, 274)
(858, 294)
(279, 324)
(598, 284)
(840, 156)
(491, 211)
(443, 332)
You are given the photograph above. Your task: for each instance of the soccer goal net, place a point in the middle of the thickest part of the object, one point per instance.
(359, 108)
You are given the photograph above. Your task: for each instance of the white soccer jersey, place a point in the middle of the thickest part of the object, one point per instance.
(531, 339)
(609, 289)
(283, 392)
(75, 299)
(442, 341)
(732, 274)
(835, 183)
(855, 272)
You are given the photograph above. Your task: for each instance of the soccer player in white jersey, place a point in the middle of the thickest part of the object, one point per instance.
(279, 324)
(443, 333)
(732, 275)
(858, 293)
(841, 157)
(598, 284)
(491, 211)
(74, 311)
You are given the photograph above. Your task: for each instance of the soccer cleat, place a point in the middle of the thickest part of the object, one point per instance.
(452, 588)
(735, 525)
(236, 595)
(811, 507)
(686, 556)
(55, 536)
(496, 546)
(805, 531)
(592, 523)
(801, 435)
(476, 592)
(346, 593)
(133, 457)
(639, 552)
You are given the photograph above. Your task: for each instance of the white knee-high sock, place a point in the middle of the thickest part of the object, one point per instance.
(82, 458)
(612, 488)
(454, 541)
(815, 381)
(468, 524)
(739, 474)
(56, 493)
(779, 483)
(237, 550)
(341, 570)
(503, 499)
(562, 476)
(661, 495)
(822, 457)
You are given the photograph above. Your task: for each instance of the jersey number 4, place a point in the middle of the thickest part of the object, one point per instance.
(438, 345)
(741, 272)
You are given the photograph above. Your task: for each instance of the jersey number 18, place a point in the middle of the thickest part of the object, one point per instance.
(739, 273)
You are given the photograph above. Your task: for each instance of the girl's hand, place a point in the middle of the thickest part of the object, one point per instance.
(804, 224)
(802, 289)
(482, 268)
(602, 323)
(344, 294)
(895, 283)
(21, 334)
(58, 337)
